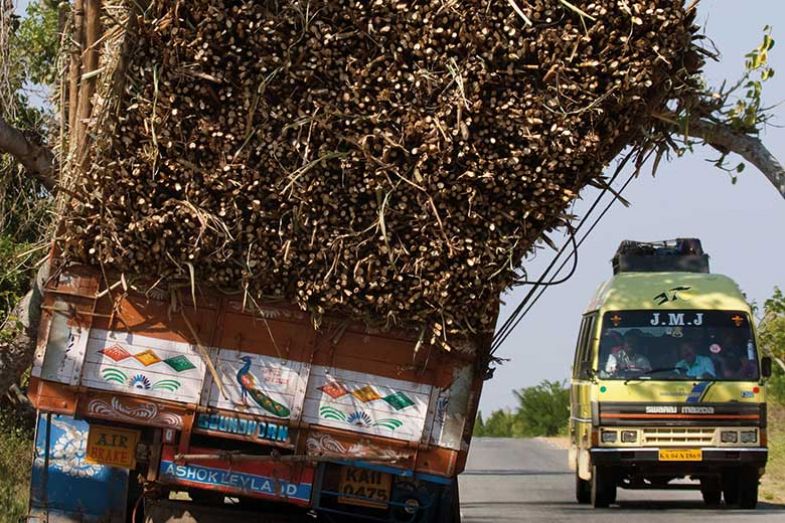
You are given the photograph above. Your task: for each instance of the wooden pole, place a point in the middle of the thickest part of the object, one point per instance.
(92, 24)
(75, 68)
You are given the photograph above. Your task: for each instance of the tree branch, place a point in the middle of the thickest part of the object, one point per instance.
(726, 139)
(38, 160)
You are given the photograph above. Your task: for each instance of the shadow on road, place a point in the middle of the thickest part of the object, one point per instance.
(515, 472)
(763, 510)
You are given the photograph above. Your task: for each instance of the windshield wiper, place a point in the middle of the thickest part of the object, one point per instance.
(648, 372)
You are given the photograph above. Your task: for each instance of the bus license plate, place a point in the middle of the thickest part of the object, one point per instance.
(112, 446)
(366, 488)
(681, 455)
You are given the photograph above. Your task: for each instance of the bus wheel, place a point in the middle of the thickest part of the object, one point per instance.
(711, 491)
(582, 489)
(603, 486)
(730, 487)
(748, 488)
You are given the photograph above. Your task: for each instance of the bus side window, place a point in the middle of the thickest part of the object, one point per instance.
(586, 353)
(576, 364)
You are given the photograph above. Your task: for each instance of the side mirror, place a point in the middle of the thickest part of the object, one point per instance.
(765, 366)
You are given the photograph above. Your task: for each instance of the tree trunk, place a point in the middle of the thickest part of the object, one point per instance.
(38, 160)
(726, 139)
(16, 355)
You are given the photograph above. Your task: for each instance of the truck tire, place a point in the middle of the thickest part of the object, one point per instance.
(748, 488)
(582, 489)
(711, 490)
(450, 511)
(603, 487)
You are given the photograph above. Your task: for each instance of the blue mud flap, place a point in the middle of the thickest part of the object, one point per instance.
(64, 486)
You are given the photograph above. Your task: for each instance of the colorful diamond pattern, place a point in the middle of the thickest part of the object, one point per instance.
(366, 394)
(334, 389)
(147, 358)
(180, 363)
(398, 400)
(116, 352)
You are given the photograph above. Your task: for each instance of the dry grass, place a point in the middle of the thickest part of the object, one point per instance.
(773, 483)
(16, 437)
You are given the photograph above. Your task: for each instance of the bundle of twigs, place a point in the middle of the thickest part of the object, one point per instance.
(389, 160)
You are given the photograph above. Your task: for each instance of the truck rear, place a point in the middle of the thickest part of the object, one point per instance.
(183, 402)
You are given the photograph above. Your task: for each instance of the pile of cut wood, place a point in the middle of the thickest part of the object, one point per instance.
(388, 160)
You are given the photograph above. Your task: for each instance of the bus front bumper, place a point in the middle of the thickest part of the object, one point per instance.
(709, 456)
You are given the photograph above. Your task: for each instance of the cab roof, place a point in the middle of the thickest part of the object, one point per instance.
(668, 290)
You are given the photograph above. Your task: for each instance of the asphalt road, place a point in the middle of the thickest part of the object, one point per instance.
(528, 480)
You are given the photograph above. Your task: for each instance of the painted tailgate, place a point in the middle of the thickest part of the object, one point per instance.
(353, 390)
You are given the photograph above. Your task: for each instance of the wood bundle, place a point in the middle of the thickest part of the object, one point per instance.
(388, 160)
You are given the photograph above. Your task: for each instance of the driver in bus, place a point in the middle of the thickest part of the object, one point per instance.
(628, 358)
(693, 364)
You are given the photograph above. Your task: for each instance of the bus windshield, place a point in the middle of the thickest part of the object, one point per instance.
(677, 345)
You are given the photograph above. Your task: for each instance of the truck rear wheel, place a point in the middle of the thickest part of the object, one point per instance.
(582, 489)
(603, 486)
(450, 510)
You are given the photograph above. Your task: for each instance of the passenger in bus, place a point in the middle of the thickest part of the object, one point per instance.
(628, 358)
(693, 364)
(610, 343)
(731, 367)
(736, 365)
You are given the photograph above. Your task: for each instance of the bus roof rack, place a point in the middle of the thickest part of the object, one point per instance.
(679, 255)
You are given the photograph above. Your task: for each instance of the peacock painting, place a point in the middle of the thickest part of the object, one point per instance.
(249, 387)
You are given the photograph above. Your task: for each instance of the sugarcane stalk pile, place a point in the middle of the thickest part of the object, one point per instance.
(392, 161)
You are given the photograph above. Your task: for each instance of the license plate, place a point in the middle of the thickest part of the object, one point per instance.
(112, 446)
(367, 488)
(681, 455)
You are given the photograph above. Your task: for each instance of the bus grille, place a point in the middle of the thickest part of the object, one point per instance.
(678, 436)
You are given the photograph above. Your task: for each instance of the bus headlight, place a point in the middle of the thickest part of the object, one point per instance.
(609, 436)
(749, 436)
(629, 436)
(729, 436)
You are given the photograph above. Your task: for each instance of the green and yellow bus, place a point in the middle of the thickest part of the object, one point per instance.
(668, 385)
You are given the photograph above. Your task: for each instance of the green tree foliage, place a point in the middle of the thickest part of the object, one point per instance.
(27, 67)
(772, 338)
(38, 40)
(500, 424)
(543, 410)
(28, 70)
(479, 425)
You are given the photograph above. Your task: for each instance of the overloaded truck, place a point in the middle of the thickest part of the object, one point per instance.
(233, 173)
(188, 404)
(668, 381)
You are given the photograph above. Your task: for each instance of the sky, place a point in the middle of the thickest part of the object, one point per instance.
(741, 225)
